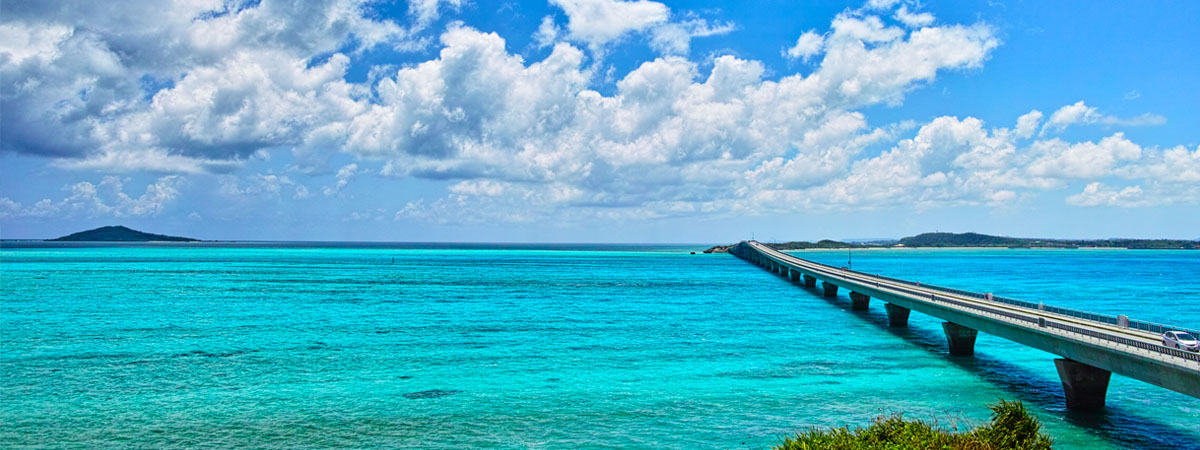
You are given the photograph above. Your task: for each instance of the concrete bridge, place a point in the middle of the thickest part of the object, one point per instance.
(1092, 346)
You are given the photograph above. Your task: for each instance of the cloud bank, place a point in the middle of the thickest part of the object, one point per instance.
(203, 87)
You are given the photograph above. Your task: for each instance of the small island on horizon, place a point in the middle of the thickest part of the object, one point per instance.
(119, 233)
(948, 240)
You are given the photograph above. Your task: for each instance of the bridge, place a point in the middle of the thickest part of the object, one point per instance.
(1092, 346)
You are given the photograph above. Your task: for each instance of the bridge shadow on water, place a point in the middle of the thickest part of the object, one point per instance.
(1120, 426)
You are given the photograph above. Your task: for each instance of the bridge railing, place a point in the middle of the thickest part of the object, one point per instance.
(1155, 348)
(1160, 328)
(1095, 317)
(1124, 340)
(1151, 327)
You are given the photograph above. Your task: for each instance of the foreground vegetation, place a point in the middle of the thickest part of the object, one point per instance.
(1011, 428)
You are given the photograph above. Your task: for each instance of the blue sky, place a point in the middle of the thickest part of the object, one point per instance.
(600, 120)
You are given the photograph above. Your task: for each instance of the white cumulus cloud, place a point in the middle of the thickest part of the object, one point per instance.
(1097, 194)
(1028, 123)
(913, 19)
(344, 175)
(547, 33)
(1061, 159)
(1081, 113)
(598, 22)
(675, 38)
(807, 45)
(105, 199)
(193, 87)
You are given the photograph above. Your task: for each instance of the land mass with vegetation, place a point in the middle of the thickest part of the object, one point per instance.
(1010, 428)
(934, 240)
(120, 234)
(984, 240)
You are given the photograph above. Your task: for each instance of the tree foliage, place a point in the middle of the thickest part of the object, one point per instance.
(1011, 428)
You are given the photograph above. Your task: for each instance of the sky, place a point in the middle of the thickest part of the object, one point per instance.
(599, 120)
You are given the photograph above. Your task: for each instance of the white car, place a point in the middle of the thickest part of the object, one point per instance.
(1181, 340)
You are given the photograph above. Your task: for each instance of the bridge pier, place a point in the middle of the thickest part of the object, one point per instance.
(830, 289)
(1084, 385)
(960, 338)
(859, 302)
(897, 315)
(794, 276)
(810, 282)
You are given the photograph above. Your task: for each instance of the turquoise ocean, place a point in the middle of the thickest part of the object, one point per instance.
(277, 345)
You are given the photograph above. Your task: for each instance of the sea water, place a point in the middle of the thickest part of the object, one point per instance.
(351, 345)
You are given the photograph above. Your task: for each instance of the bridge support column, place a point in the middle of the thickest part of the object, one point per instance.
(859, 302)
(1084, 385)
(897, 315)
(830, 289)
(783, 270)
(810, 282)
(960, 338)
(794, 275)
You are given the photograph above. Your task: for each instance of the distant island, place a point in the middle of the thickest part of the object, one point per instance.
(120, 234)
(934, 240)
(984, 240)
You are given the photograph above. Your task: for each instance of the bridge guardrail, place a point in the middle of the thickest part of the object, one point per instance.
(1102, 318)
(1151, 327)
(1123, 340)
(1072, 329)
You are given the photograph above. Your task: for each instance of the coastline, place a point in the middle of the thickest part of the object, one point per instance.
(968, 248)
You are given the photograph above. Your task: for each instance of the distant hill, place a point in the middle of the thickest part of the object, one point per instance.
(984, 240)
(824, 243)
(120, 234)
(961, 240)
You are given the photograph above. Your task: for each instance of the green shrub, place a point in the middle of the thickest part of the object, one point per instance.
(1011, 428)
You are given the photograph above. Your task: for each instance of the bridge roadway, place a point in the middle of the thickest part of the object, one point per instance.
(1091, 347)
